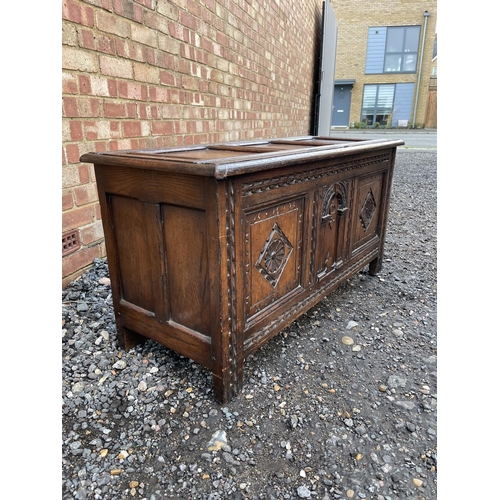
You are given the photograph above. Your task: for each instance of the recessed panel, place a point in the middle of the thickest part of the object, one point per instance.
(366, 223)
(187, 267)
(273, 249)
(136, 231)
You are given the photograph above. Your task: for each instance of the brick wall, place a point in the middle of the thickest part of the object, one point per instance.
(354, 17)
(154, 73)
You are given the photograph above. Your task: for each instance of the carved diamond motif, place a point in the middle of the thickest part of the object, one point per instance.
(367, 210)
(274, 255)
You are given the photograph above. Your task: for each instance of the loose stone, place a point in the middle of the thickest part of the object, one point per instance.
(303, 492)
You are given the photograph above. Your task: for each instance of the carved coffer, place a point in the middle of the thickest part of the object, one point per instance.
(214, 249)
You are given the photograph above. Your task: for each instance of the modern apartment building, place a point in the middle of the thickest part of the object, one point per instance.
(384, 63)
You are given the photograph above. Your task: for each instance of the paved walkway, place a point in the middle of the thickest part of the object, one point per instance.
(418, 138)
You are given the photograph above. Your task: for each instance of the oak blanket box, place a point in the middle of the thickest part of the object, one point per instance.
(214, 249)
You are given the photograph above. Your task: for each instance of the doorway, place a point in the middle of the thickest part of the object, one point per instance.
(341, 105)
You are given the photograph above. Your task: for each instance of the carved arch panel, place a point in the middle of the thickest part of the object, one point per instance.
(332, 241)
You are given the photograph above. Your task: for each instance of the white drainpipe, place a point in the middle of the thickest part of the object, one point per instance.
(426, 15)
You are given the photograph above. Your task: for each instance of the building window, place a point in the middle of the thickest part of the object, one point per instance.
(392, 49)
(387, 105)
(378, 101)
(401, 50)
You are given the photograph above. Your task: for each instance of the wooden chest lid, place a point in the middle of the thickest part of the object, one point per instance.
(221, 160)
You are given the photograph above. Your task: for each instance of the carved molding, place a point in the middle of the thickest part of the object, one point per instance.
(231, 275)
(310, 175)
(314, 231)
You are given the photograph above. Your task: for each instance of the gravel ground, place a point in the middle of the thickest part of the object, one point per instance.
(342, 404)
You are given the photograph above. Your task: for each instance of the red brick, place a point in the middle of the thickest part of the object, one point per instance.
(194, 7)
(143, 111)
(210, 5)
(71, 11)
(167, 78)
(138, 14)
(204, 86)
(184, 67)
(115, 110)
(159, 94)
(177, 97)
(67, 200)
(222, 39)
(76, 130)
(70, 107)
(84, 83)
(75, 262)
(161, 128)
(131, 110)
(134, 91)
(85, 194)
(114, 128)
(73, 153)
(69, 84)
(77, 13)
(87, 39)
(131, 129)
(150, 55)
(77, 217)
(84, 174)
(188, 20)
(112, 88)
(106, 44)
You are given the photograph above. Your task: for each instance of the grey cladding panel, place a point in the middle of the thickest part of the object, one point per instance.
(375, 50)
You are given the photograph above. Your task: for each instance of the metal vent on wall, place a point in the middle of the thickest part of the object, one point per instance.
(70, 242)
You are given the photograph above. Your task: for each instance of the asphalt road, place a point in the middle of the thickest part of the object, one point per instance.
(425, 138)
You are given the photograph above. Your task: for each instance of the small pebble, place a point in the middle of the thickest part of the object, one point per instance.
(303, 492)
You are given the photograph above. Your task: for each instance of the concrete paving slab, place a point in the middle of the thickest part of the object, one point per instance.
(418, 138)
